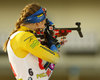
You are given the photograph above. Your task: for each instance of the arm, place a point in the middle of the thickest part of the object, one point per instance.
(29, 43)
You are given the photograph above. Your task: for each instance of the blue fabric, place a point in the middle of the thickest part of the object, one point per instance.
(36, 17)
(53, 48)
(51, 23)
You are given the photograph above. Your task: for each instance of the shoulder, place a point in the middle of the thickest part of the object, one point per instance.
(23, 36)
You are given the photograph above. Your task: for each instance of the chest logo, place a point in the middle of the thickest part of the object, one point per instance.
(35, 43)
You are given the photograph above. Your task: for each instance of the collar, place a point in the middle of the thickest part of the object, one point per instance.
(23, 28)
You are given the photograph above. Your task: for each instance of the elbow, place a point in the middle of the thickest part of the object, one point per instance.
(56, 60)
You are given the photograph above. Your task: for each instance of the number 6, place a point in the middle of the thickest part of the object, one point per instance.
(30, 72)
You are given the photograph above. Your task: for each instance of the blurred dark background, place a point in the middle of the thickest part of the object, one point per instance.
(80, 57)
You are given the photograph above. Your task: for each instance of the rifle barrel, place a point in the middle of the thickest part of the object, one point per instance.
(68, 28)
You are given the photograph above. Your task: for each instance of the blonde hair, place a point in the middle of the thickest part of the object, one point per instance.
(27, 11)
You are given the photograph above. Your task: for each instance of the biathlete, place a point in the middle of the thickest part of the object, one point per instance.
(29, 59)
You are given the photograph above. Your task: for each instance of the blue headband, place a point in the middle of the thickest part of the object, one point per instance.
(36, 17)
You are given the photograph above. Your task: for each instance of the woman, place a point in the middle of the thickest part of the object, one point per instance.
(29, 59)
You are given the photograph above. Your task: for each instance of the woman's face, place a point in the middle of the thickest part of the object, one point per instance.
(42, 24)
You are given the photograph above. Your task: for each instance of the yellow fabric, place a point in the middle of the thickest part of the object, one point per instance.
(20, 79)
(25, 42)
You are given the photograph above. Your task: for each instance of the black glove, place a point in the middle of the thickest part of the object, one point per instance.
(50, 39)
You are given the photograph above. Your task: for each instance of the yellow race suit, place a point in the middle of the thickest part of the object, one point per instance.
(29, 59)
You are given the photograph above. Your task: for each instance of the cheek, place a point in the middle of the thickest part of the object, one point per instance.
(43, 26)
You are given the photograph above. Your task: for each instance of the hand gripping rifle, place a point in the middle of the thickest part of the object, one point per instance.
(57, 32)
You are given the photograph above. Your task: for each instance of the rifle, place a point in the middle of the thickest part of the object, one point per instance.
(57, 32)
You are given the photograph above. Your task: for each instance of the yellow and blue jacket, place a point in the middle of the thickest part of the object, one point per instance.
(29, 58)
